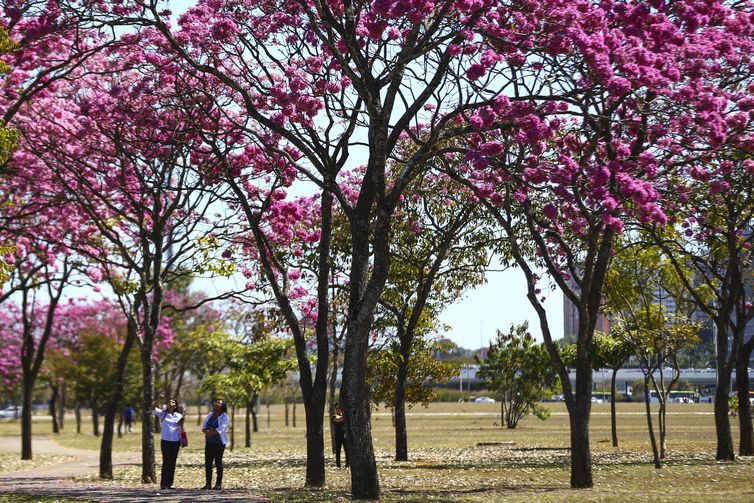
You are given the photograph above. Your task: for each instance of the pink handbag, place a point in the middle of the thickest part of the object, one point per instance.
(184, 438)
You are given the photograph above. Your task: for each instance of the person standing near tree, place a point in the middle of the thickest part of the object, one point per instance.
(339, 427)
(215, 429)
(171, 422)
(128, 416)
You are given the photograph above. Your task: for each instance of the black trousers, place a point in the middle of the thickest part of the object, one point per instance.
(169, 457)
(340, 441)
(213, 453)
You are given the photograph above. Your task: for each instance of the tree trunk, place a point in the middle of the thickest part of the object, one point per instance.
(287, 411)
(652, 439)
(199, 412)
(247, 425)
(364, 478)
(268, 414)
(663, 425)
(399, 409)
(232, 427)
(333, 379)
(315, 440)
(28, 387)
(293, 412)
(53, 409)
(746, 445)
(148, 475)
(579, 409)
(722, 421)
(254, 410)
(61, 409)
(95, 420)
(113, 406)
(613, 423)
(120, 423)
(77, 412)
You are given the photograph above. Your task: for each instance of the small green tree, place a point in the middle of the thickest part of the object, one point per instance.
(638, 281)
(423, 370)
(610, 351)
(520, 370)
(250, 368)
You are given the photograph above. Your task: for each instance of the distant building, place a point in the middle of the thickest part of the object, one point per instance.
(571, 319)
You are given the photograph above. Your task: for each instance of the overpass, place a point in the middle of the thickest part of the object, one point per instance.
(699, 378)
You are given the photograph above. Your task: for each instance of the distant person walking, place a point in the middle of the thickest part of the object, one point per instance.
(339, 427)
(128, 415)
(171, 422)
(215, 429)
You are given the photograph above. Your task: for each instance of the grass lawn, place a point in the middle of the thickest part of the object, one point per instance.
(446, 463)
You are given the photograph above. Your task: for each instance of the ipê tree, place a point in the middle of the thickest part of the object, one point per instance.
(711, 241)
(591, 160)
(323, 80)
(520, 371)
(289, 66)
(119, 147)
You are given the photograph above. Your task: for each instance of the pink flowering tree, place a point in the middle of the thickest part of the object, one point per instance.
(326, 86)
(594, 159)
(329, 86)
(10, 355)
(712, 198)
(46, 44)
(43, 268)
(118, 147)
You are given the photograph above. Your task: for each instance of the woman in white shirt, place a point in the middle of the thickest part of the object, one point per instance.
(215, 429)
(171, 422)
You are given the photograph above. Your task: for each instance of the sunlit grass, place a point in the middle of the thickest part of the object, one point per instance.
(469, 457)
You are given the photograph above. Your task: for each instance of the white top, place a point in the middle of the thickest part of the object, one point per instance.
(223, 423)
(170, 427)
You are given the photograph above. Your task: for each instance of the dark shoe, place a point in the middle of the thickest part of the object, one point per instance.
(206, 487)
(218, 487)
(163, 488)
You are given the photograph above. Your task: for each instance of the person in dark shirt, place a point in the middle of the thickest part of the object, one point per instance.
(339, 427)
(215, 429)
(129, 415)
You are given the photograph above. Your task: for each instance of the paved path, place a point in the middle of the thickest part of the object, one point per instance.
(55, 479)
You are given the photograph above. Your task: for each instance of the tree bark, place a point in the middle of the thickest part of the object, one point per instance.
(613, 423)
(254, 410)
(148, 475)
(746, 444)
(52, 407)
(232, 427)
(113, 405)
(579, 408)
(247, 424)
(95, 420)
(28, 386)
(315, 442)
(401, 439)
(364, 478)
(77, 412)
(722, 409)
(650, 429)
(61, 409)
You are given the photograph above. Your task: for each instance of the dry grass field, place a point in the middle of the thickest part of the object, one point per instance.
(459, 452)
